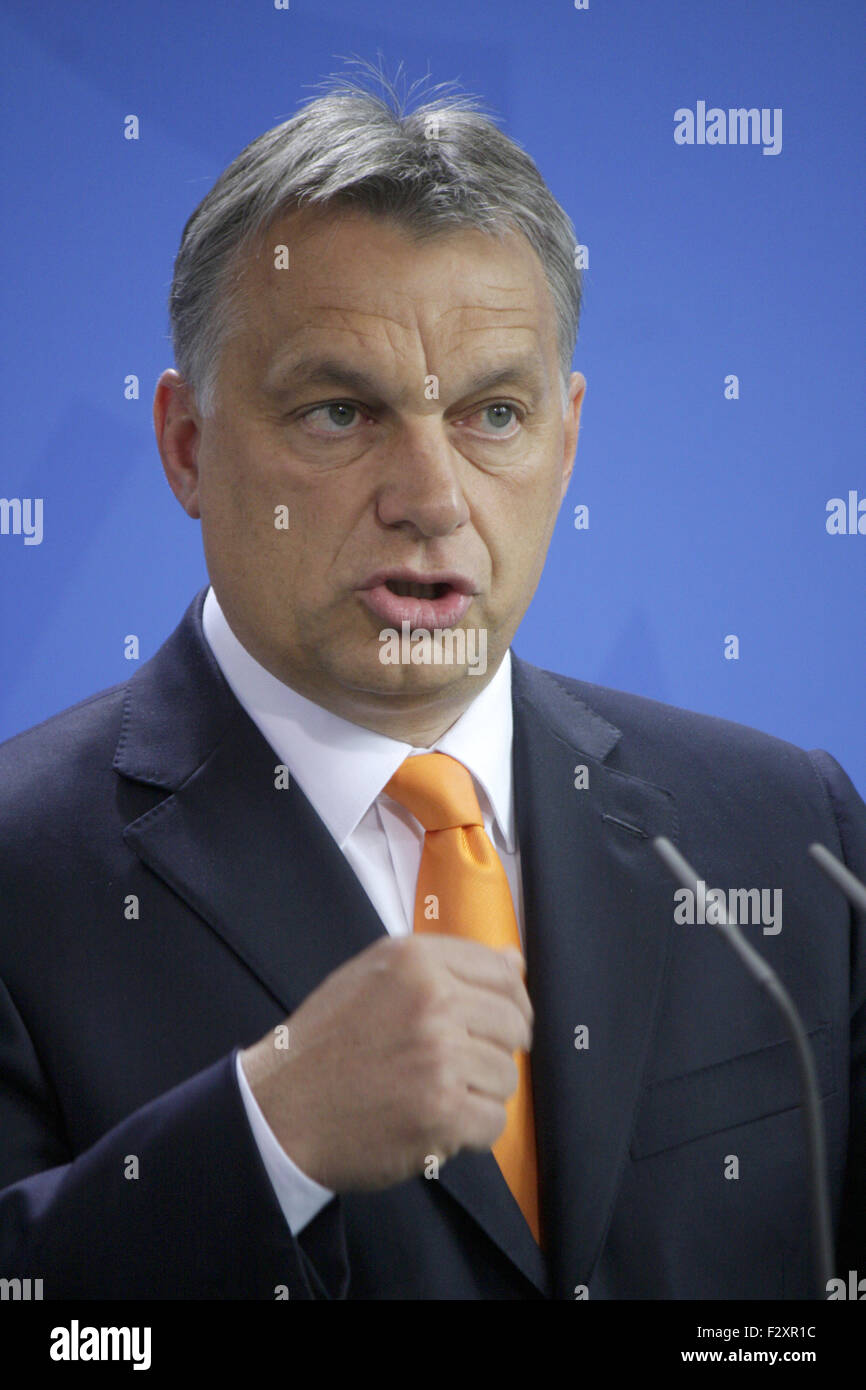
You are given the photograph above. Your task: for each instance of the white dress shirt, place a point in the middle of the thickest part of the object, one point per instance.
(342, 769)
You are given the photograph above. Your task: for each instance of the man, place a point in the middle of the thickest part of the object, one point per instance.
(337, 965)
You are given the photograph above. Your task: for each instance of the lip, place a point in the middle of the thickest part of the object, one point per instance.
(431, 613)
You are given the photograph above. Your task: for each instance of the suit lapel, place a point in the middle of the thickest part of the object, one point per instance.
(599, 913)
(259, 866)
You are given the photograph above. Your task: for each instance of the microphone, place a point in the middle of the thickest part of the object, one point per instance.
(854, 890)
(766, 977)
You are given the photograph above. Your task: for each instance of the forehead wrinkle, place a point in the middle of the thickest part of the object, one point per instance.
(301, 330)
(483, 308)
(467, 315)
(498, 328)
(345, 313)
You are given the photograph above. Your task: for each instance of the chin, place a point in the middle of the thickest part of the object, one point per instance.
(380, 679)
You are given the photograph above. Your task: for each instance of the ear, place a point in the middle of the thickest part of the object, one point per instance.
(177, 425)
(571, 424)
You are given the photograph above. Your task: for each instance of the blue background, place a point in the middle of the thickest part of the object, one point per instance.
(707, 516)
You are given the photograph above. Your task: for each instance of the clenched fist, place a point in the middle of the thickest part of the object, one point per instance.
(404, 1052)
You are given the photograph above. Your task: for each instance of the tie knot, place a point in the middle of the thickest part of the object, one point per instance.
(437, 790)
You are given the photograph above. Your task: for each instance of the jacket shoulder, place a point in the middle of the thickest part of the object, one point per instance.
(53, 767)
(677, 747)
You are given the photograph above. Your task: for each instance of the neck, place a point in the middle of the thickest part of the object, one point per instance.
(419, 720)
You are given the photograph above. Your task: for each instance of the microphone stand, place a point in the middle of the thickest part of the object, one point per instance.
(822, 1234)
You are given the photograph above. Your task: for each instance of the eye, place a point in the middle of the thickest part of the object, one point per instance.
(500, 415)
(339, 413)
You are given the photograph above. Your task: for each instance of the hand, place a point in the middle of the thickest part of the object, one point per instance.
(402, 1053)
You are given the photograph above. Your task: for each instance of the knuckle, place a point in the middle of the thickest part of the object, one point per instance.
(439, 1089)
(427, 1035)
(430, 994)
(516, 1031)
(437, 1061)
(427, 999)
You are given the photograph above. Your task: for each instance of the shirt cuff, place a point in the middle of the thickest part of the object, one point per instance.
(300, 1198)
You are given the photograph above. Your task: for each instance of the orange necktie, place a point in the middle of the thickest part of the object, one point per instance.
(462, 878)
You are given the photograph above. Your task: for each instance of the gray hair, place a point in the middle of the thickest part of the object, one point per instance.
(441, 167)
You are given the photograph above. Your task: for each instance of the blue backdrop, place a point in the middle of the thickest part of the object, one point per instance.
(706, 262)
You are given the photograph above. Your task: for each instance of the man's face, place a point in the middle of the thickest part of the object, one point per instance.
(358, 394)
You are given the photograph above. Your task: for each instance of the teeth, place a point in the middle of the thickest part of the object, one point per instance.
(405, 590)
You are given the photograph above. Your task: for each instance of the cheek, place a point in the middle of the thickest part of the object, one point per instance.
(520, 518)
(244, 497)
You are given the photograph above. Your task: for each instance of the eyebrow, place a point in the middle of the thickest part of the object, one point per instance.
(329, 370)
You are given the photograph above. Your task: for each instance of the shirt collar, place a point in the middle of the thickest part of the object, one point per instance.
(342, 767)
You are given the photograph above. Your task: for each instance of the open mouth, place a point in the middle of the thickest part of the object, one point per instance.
(402, 589)
(396, 601)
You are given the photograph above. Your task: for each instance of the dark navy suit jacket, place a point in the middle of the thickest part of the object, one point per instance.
(118, 1036)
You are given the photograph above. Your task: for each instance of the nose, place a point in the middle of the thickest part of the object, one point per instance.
(422, 482)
